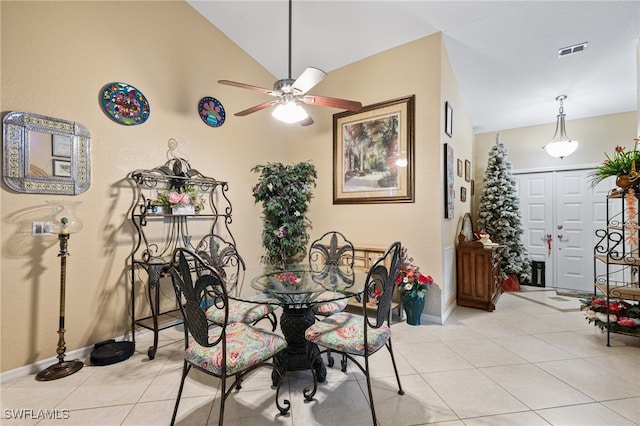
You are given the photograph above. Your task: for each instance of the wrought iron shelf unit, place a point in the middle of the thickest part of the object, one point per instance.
(616, 254)
(156, 235)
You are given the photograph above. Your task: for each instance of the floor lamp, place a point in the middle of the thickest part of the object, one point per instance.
(64, 223)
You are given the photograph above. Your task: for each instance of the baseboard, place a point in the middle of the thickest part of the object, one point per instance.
(81, 353)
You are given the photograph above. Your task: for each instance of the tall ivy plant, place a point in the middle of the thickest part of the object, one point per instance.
(285, 192)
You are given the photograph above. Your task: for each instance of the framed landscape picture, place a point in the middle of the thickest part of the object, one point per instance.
(373, 158)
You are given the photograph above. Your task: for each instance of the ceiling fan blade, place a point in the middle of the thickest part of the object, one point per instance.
(309, 78)
(353, 106)
(256, 108)
(248, 86)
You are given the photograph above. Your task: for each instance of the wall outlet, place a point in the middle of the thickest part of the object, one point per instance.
(40, 229)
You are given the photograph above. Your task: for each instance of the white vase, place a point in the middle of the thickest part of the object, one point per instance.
(190, 209)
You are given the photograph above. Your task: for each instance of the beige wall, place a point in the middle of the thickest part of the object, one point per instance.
(55, 58)
(596, 135)
(419, 68)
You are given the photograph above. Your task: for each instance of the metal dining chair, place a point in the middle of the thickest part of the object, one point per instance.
(223, 255)
(227, 351)
(355, 335)
(331, 250)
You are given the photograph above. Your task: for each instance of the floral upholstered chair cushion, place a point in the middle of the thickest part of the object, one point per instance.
(344, 332)
(329, 308)
(240, 311)
(246, 346)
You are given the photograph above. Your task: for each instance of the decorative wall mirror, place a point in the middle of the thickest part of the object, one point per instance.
(45, 155)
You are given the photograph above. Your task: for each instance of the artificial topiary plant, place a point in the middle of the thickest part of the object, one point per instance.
(285, 192)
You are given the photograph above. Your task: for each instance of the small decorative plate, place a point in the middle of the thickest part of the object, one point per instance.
(211, 111)
(124, 104)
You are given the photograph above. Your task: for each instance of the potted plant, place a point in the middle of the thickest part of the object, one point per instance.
(285, 192)
(413, 286)
(624, 165)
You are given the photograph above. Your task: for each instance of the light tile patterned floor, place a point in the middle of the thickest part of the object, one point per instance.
(534, 361)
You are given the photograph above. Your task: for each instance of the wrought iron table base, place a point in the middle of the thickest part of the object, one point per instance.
(297, 355)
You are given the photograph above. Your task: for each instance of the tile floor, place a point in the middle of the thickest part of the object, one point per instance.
(534, 361)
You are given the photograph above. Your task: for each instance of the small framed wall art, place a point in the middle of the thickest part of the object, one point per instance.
(467, 170)
(448, 181)
(448, 119)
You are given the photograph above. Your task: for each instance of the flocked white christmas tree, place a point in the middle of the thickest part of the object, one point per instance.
(499, 213)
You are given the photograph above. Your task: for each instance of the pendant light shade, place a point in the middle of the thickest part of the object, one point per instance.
(560, 145)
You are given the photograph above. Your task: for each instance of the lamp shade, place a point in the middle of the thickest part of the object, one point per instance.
(561, 146)
(65, 220)
(289, 112)
(561, 149)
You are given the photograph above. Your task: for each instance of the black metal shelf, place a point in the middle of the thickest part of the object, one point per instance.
(158, 235)
(620, 258)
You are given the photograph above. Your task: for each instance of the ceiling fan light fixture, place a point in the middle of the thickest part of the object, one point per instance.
(560, 145)
(290, 112)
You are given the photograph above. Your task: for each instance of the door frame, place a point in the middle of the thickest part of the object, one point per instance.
(550, 273)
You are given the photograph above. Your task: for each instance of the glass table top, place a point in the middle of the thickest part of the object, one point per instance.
(302, 286)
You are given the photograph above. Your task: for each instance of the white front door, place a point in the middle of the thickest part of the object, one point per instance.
(562, 205)
(573, 231)
(536, 192)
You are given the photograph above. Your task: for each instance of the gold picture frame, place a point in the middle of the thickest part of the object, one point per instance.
(373, 160)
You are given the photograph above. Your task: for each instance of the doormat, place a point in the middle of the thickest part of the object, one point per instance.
(559, 304)
(578, 294)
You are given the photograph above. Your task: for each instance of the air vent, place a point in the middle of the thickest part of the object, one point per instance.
(571, 50)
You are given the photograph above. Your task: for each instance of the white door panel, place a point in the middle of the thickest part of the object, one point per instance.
(574, 254)
(535, 193)
(563, 205)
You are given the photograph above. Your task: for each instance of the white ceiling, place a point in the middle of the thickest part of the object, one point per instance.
(504, 53)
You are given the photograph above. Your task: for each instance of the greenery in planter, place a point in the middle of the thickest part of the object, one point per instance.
(622, 163)
(285, 192)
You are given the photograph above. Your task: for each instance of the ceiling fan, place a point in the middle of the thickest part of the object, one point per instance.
(290, 94)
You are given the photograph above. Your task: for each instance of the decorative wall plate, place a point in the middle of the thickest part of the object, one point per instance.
(124, 104)
(211, 111)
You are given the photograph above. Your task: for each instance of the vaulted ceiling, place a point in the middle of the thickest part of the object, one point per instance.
(504, 53)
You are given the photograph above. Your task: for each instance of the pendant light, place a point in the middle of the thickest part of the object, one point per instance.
(560, 145)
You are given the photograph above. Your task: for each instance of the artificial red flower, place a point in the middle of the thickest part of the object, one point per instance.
(626, 322)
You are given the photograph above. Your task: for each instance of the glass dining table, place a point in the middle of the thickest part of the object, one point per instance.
(297, 289)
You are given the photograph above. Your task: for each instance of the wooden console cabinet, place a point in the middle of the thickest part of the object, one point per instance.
(478, 272)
